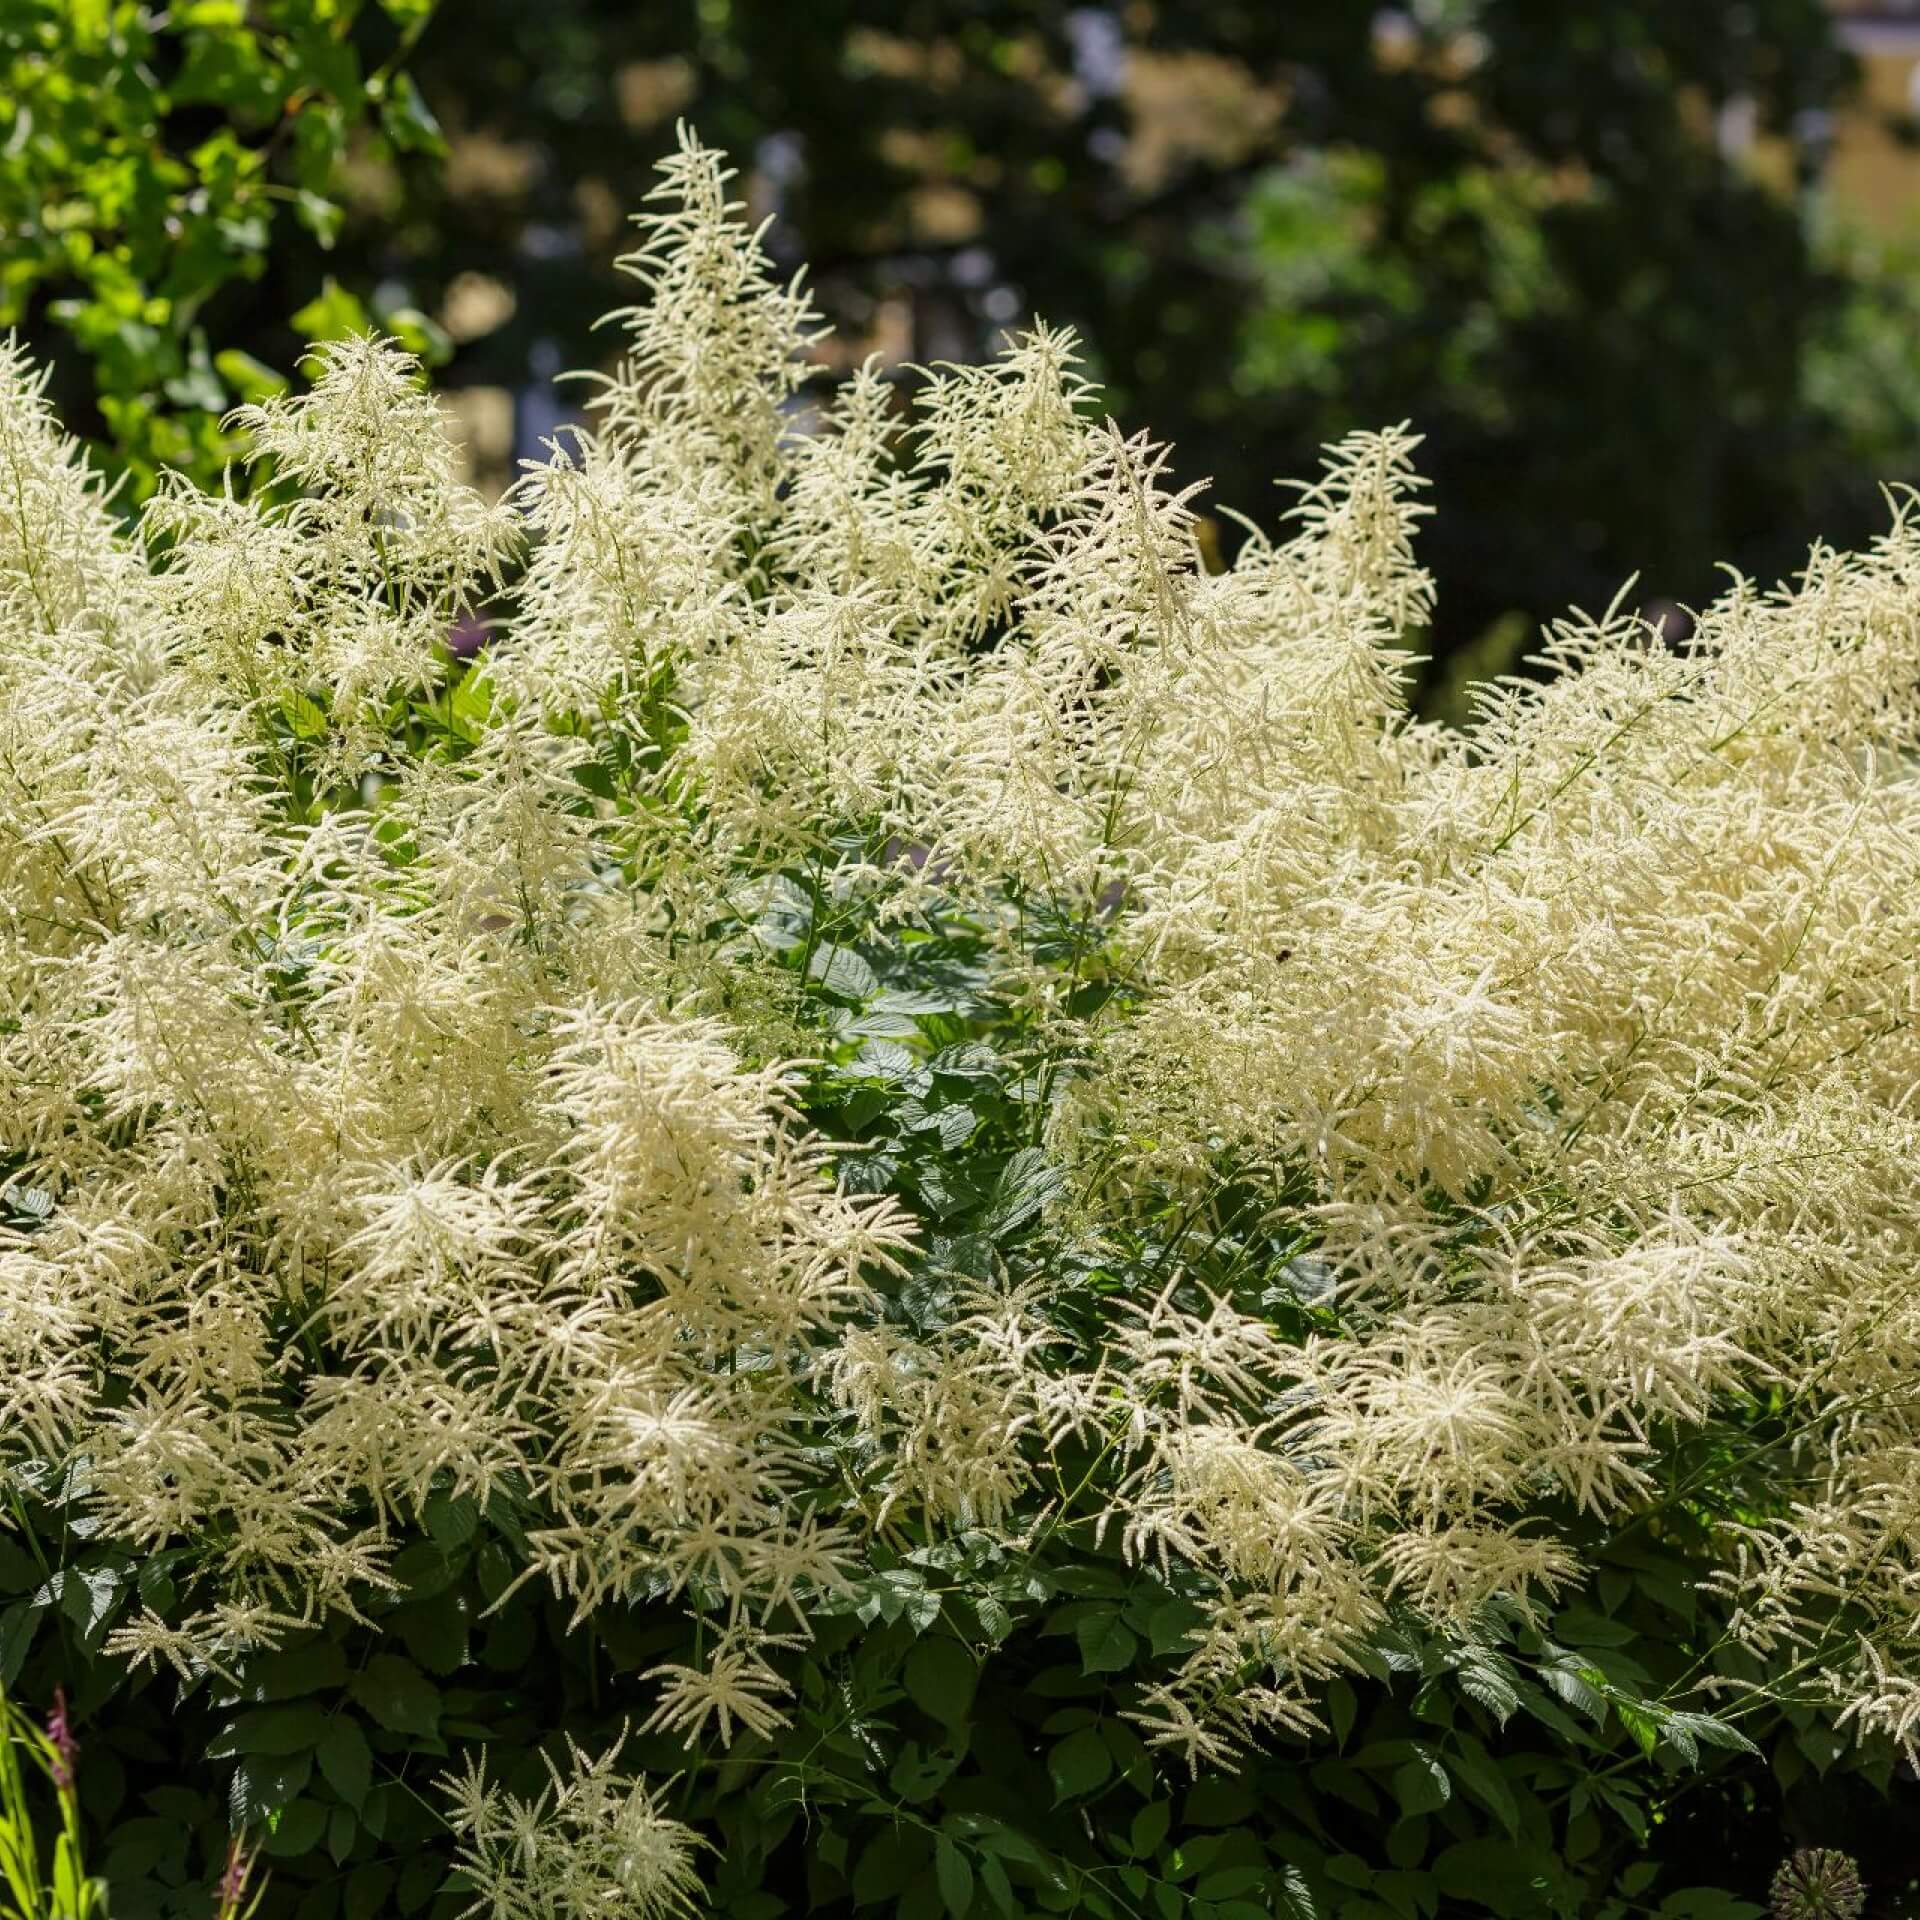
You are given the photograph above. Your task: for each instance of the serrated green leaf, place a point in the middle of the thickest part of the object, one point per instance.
(940, 1676)
(888, 1863)
(264, 1783)
(995, 1621)
(1421, 1785)
(1713, 1732)
(1079, 1764)
(1480, 1774)
(1707, 1903)
(397, 1695)
(1343, 1705)
(1582, 1627)
(1107, 1644)
(1026, 1183)
(434, 1633)
(318, 1667)
(1495, 1874)
(1642, 1725)
(886, 1059)
(842, 971)
(1149, 1828)
(346, 1761)
(420, 1880)
(1293, 1896)
(87, 1596)
(342, 1827)
(998, 1888)
(1575, 1684)
(298, 1830)
(1218, 1801)
(453, 1522)
(295, 1728)
(1226, 1882)
(1488, 1682)
(367, 1889)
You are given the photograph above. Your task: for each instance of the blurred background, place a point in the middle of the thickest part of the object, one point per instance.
(1646, 273)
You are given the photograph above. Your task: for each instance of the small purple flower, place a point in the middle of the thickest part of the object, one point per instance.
(233, 1882)
(66, 1749)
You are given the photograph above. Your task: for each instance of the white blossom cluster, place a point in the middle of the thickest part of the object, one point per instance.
(419, 1121)
(593, 1842)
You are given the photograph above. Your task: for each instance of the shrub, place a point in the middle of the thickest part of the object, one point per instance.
(895, 1076)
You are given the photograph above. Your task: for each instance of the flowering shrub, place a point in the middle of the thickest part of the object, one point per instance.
(895, 1070)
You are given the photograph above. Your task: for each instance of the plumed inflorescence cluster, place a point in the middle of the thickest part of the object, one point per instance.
(411, 1111)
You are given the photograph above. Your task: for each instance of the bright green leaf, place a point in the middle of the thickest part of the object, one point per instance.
(940, 1676)
(333, 314)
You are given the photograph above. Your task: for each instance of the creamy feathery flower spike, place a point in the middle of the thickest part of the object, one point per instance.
(593, 1842)
(733, 1686)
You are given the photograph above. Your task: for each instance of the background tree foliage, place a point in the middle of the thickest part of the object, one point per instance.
(156, 162)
